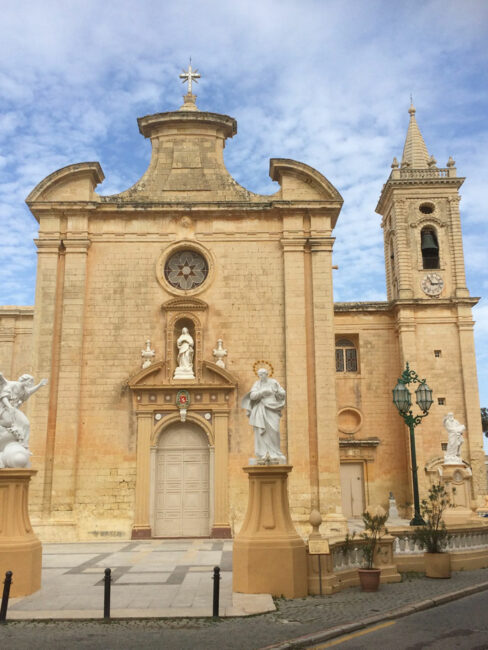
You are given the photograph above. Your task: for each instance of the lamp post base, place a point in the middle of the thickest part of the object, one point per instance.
(417, 520)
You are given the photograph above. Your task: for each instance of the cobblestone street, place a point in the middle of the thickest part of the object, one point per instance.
(293, 618)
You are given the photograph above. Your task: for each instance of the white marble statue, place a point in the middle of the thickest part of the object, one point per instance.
(185, 356)
(454, 440)
(264, 404)
(14, 425)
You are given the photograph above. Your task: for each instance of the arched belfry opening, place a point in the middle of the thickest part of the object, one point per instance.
(429, 246)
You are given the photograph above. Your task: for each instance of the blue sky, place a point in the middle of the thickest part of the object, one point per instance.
(324, 82)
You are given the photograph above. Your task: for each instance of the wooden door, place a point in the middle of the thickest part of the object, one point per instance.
(182, 483)
(352, 487)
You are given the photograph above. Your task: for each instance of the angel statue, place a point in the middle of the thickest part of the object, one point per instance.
(14, 425)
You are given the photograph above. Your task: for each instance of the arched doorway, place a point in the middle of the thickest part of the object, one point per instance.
(181, 489)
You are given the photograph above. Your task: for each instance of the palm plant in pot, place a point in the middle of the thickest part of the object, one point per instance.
(433, 536)
(374, 530)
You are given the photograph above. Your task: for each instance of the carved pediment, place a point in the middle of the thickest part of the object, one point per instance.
(154, 377)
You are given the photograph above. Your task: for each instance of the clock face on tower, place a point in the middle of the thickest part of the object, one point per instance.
(432, 284)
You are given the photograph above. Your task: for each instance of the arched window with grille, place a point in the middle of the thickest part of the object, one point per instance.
(346, 356)
(429, 246)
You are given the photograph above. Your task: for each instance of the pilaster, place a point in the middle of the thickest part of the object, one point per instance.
(142, 526)
(324, 447)
(403, 250)
(221, 525)
(456, 244)
(50, 262)
(69, 381)
(474, 438)
(297, 415)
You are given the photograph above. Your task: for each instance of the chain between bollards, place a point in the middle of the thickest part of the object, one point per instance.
(6, 593)
(216, 591)
(106, 599)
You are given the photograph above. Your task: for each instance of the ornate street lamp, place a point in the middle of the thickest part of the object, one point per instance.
(403, 401)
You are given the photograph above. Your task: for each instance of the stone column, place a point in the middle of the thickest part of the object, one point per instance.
(221, 526)
(142, 526)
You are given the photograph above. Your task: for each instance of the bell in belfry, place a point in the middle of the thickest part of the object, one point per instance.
(429, 241)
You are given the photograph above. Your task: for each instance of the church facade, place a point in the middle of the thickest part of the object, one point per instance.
(128, 445)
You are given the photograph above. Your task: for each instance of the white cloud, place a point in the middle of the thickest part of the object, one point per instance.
(327, 83)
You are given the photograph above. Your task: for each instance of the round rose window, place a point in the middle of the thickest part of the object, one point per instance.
(186, 270)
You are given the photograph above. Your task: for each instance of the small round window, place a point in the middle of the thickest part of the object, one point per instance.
(186, 270)
(426, 208)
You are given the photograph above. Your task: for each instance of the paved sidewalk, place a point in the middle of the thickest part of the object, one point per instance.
(153, 578)
(183, 567)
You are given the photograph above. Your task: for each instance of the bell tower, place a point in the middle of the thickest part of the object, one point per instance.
(421, 225)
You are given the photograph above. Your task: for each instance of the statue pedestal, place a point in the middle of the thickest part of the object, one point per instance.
(20, 549)
(457, 480)
(269, 556)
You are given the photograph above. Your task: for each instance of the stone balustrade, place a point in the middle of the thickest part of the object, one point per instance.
(460, 540)
(433, 172)
(397, 553)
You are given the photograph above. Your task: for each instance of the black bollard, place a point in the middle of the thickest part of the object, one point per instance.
(6, 592)
(216, 591)
(106, 599)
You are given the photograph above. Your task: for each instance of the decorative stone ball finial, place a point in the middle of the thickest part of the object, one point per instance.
(315, 520)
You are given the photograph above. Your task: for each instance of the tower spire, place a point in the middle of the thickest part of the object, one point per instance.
(415, 154)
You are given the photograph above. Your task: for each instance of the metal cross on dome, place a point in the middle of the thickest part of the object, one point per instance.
(189, 76)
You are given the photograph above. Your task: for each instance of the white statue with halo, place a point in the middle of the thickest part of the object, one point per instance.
(264, 404)
(14, 425)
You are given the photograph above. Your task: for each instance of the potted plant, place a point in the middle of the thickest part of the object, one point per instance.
(433, 535)
(374, 530)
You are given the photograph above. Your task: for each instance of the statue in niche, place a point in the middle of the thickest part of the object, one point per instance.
(184, 344)
(14, 425)
(264, 404)
(454, 440)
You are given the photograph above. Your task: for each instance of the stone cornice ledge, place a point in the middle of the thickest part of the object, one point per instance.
(410, 302)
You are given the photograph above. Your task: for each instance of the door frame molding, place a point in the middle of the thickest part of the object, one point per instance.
(364, 467)
(154, 406)
(166, 424)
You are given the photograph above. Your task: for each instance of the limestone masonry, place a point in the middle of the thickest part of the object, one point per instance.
(124, 450)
